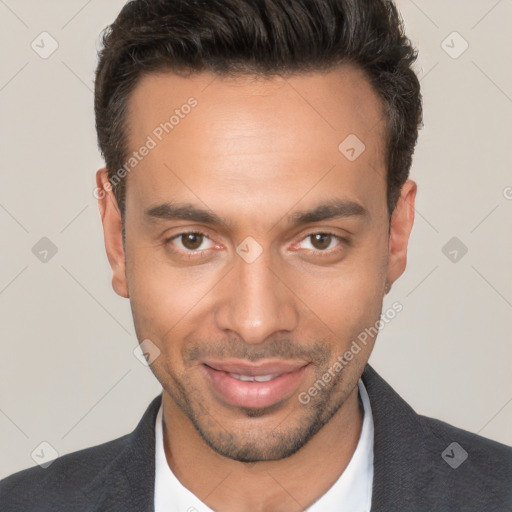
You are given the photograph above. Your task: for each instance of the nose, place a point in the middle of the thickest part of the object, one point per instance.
(256, 301)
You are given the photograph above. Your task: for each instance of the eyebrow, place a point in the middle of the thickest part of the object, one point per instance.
(337, 208)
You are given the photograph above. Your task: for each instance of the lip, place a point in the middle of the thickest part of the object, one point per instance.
(288, 376)
(262, 368)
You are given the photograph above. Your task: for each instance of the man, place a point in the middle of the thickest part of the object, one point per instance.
(256, 208)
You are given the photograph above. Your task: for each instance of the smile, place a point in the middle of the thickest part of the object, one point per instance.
(257, 378)
(241, 384)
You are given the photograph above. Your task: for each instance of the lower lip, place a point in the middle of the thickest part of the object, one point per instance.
(254, 394)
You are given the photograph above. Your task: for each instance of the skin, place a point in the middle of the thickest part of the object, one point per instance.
(255, 151)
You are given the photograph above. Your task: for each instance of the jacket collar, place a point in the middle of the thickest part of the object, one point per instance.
(402, 461)
(127, 483)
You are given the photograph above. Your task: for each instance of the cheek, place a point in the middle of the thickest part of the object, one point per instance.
(344, 313)
(165, 300)
(350, 294)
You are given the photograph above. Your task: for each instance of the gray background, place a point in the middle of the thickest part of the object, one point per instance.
(68, 373)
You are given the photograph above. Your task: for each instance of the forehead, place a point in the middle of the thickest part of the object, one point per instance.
(338, 101)
(245, 136)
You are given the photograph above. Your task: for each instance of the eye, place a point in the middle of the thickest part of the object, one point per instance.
(322, 242)
(191, 242)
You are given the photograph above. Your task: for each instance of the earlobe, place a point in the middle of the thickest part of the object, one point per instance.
(112, 221)
(402, 221)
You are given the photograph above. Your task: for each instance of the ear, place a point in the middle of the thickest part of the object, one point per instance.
(113, 231)
(401, 225)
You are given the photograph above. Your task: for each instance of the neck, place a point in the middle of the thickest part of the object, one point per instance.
(287, 485)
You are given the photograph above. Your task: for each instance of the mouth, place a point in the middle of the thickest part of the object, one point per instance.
(242, 384)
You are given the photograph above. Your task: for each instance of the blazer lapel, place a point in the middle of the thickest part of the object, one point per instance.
(403, 465)
(126, 484)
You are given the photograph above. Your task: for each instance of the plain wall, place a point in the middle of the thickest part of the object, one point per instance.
(68, 373)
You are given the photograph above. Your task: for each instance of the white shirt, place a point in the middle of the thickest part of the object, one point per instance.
(352, 492)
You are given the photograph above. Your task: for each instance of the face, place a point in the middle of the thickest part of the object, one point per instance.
(257, 249)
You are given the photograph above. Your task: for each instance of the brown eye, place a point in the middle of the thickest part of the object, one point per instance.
(192, 241)
(321, 241)
(191, 244)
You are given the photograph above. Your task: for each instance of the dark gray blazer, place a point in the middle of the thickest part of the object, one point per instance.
(414, 468)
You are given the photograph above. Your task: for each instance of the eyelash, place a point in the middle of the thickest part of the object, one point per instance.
(191, 254)
(339, 247)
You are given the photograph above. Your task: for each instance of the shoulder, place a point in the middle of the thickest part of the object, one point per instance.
(116, 475)
(60, 484)
(491, 456)
(428, 464)
(469, 464)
